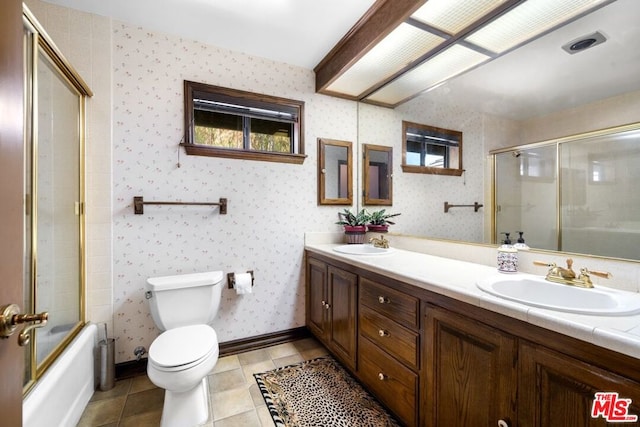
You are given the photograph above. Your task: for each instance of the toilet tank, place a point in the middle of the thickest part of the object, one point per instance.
(184, 299)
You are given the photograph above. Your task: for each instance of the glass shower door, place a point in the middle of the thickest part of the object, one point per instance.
(526, 192)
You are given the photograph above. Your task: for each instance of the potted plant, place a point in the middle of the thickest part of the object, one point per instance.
(379, 221)
(355, 225)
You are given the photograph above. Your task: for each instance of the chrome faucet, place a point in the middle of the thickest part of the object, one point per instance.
(379, 243)
(567, 276)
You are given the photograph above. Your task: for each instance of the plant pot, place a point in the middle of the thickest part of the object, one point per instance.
(355, 233)
(378, 228)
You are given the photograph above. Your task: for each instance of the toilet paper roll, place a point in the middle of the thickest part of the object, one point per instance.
(243, 283)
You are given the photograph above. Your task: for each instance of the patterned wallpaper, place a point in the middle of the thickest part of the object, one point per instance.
(135, 126)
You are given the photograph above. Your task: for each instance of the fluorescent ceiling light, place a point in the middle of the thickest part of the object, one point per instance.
(528, 20)
(452, 16)
(449, 63)
(401, 47)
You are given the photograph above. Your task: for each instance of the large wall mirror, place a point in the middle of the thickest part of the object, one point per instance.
(377, 175)
(511, 101)
(335, 172)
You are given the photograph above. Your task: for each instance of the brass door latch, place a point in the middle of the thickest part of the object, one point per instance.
(10, 318)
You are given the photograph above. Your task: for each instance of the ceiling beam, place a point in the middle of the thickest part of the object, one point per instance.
(382, 18)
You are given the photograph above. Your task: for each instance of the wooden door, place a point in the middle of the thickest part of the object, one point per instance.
(11, 207)
(558, 390)
(343, 298)
(470, 371)
(317, 298)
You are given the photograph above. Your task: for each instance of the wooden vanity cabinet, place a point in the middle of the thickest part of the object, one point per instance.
(470, 372)
(331, 304)
(558, 390)
(389, 347)
(436, 361)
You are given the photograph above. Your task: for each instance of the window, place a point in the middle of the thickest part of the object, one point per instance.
(222, 122)
(428, 149)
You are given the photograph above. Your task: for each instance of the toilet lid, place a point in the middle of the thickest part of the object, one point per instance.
(184, 345)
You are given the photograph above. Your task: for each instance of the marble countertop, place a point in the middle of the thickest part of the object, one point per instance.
(457, 279)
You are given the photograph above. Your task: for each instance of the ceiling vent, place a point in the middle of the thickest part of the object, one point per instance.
(585, 42)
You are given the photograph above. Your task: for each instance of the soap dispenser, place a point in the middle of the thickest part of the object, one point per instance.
(520, 244)
(507, 256)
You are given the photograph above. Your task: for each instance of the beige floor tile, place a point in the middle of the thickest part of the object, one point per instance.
(313, 353)
(231, 402)
(141, 383)
(102, 412)
(226, 380)
(245, 419)
(147, 419)
(256, 368)
(121, 388)
(306, 344)
(288, 360)
(282, 350)
(255, 356)
(256, 395)
(264, 416)
(226, 363)
(143, 402)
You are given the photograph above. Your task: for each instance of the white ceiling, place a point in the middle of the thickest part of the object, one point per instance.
(298, 32)
(532, 81)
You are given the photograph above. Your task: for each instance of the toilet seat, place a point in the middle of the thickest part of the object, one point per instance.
(182, 348)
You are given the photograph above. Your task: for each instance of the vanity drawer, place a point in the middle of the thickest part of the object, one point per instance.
(393, 383)
(396, 340)
(396, 305)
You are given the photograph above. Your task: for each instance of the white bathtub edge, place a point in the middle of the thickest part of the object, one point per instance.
(61, 395)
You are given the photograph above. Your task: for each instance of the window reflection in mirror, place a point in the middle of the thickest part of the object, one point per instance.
(431, 150)
(335, 172)
(377, 175)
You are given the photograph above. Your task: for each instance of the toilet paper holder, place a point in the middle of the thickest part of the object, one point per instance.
(231, 279)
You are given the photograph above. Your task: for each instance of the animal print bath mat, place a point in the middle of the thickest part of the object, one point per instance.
(319, 392)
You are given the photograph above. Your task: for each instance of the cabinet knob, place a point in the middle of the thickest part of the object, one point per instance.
(503, 423)
(327, 306)
(383, 333)
(383, 300)
(381, 376)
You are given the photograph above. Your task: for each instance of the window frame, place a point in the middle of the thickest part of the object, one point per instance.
(248, 99)
(451, 171)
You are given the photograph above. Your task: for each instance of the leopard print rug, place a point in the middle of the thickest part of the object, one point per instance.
(319, 393)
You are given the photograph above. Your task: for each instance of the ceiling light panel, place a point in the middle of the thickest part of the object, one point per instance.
(402, 46)
(452, 16)
(447, 64)
(527, 21)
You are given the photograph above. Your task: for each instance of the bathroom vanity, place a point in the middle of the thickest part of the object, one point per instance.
(436, 351)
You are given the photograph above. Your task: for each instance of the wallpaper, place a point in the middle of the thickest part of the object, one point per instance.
(135, 125)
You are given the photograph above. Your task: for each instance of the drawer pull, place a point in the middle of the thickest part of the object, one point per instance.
(503, 423)
(383, 333)
(383, 300)
(327, 306)
(381, 376)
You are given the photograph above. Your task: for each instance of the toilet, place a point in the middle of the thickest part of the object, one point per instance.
(179, 359)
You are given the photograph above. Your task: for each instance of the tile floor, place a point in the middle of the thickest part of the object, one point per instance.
(233, 392)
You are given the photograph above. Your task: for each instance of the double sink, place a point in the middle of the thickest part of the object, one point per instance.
(537, 292)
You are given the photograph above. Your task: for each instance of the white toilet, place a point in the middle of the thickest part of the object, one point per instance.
(180, 358)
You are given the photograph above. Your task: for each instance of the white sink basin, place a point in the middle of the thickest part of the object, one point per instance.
(538, 292)
(362, 249)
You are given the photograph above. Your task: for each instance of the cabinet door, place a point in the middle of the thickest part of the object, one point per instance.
(470, 371)
(317, 298)
(343, 297)
(557, 390)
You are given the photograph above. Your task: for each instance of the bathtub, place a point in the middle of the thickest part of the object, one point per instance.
(62, 393)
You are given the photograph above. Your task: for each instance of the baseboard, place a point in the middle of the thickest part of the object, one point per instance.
(134, 368)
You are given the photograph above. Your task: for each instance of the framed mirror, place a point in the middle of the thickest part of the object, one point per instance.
(377, 175)
(431, 150)
(335, 172)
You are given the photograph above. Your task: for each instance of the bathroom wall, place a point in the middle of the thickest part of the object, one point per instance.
(135, 123)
